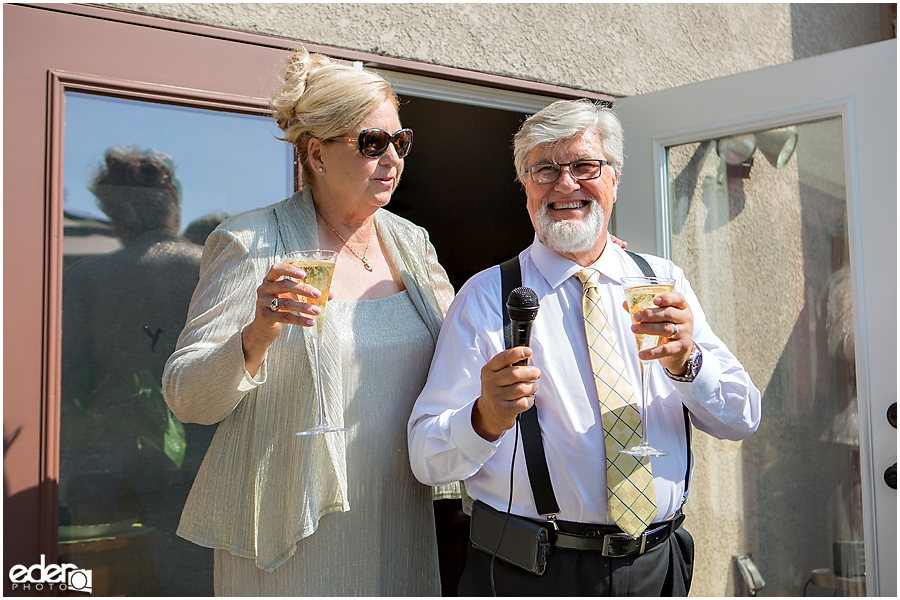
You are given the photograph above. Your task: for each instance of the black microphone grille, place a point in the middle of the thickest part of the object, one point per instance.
(522, 304)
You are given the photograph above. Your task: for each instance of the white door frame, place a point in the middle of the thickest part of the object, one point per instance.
(860, 86)
(407, 84)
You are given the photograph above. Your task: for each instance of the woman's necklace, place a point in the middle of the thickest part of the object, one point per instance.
(365, 262)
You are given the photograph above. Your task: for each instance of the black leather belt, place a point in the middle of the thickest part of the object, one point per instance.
(597, 539)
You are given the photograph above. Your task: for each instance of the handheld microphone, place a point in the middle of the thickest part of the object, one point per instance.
(522, 306)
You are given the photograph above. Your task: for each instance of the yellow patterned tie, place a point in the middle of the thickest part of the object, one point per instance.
(632, 500)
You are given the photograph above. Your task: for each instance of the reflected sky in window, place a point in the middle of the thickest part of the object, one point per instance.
(224, 161)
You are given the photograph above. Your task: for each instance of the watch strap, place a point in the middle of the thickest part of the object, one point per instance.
(693, 367)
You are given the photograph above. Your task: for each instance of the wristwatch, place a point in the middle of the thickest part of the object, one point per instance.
(693, 367)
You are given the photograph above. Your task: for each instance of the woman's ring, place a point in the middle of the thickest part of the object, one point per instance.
(274, 306)
(674, 333)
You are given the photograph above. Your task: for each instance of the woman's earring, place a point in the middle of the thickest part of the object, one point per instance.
(320, 169)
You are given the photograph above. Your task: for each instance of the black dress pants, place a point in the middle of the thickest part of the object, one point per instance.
(666, 570)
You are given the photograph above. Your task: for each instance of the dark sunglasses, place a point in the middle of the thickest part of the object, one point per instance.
(372, 143)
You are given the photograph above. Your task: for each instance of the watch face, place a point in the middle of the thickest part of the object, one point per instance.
(695, 361)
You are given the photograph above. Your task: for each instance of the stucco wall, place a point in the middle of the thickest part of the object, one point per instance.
(618, 49)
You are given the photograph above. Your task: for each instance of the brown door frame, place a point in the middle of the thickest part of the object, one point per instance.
(58, 83)
(47, 53)
(48, 50)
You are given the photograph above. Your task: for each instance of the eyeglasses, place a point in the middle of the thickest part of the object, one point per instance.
(580, 169)
(372, 143)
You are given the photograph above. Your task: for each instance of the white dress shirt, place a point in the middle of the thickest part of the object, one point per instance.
(444, 447)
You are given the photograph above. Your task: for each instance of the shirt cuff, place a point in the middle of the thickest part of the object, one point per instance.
(708, 377)
(473, 446)
(248, 382)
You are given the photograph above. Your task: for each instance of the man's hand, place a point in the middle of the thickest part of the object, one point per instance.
(506, 391)
(672, 320)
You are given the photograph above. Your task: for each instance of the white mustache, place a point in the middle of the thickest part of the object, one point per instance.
(566, 236)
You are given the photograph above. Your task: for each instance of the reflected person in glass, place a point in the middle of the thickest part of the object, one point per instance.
(335, 514)
(618, 516)
(123, 457)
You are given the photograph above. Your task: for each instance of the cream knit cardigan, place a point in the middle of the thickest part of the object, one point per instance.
(260, 488)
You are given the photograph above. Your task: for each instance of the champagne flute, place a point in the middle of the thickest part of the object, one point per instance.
(319, 267)
(639, 294)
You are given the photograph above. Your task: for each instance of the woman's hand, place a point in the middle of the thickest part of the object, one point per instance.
(620, 243)
(278, 299)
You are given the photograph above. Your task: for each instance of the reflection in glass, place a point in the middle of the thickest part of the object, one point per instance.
(225, 161)
(759, 223)
(126, 464)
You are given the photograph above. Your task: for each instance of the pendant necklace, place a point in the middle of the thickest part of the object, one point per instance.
(362, 257)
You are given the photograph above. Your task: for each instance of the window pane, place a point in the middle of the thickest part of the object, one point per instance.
(126, 464)
(760, 226)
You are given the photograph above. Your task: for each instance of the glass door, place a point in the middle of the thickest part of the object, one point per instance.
(759, 222)
(775, 190)
(85, 83)
(144, 183)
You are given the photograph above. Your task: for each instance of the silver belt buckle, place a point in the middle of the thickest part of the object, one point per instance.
(608, 538)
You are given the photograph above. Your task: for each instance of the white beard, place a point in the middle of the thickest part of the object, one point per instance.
(570, 237)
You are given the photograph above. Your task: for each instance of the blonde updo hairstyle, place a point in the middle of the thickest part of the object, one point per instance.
(322, 99)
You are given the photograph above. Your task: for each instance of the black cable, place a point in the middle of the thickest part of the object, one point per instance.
(512, 467)
(806, 585)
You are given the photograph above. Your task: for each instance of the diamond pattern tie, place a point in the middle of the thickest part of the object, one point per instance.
(632, 500)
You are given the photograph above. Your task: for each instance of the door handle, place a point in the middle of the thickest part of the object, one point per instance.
(890, 476)
(750, 574)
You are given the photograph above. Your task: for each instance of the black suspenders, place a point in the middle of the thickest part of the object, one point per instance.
(533, 445)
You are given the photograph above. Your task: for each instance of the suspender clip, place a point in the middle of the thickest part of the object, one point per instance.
(552, 519)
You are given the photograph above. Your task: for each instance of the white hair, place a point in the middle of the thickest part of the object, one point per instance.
(563, 121)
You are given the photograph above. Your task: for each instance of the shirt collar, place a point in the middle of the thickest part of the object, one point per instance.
(556, 269)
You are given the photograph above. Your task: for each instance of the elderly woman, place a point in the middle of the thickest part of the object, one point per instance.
(337, 514)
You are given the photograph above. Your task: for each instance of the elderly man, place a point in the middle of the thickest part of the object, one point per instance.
(614, 522)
